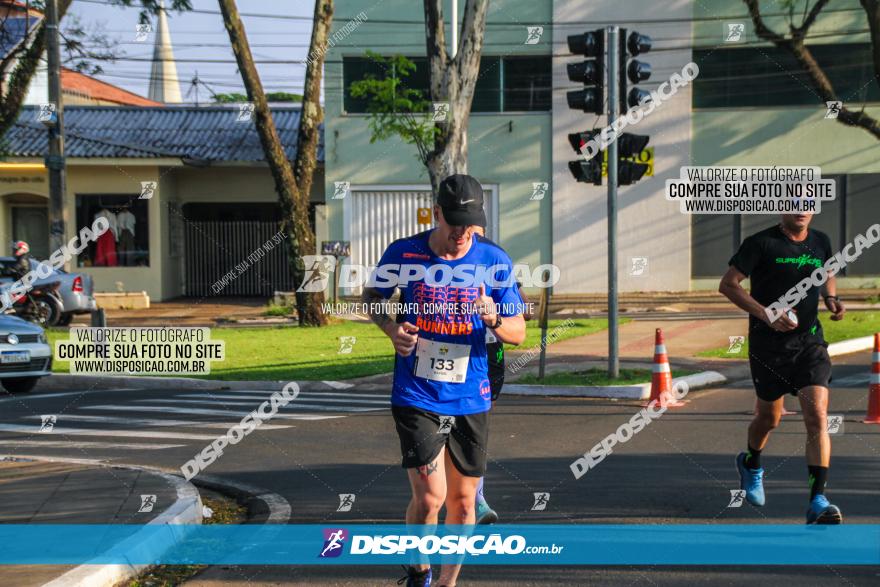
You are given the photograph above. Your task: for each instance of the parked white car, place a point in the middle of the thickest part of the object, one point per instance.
(25, 354)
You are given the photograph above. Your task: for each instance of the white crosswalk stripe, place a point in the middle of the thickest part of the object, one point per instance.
(144, 418)
(204, 412)
(295, 405)
(301, 398)
(67, 431)
(79, 445)
(156, 422)
(308, 394)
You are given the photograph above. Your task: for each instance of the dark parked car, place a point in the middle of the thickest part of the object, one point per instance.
(76, 288)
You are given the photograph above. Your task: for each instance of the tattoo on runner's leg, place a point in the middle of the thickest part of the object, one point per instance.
(426, 470)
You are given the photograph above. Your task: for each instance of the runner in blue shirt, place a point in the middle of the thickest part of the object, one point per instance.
(454, 285)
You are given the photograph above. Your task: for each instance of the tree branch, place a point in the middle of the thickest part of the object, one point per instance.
(872, 9)
(312, 115)
(467, 60)
(820, 82)
(23, 72)
(810, 19)
(435, 42)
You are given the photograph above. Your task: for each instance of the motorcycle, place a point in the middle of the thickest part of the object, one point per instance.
(41, 305)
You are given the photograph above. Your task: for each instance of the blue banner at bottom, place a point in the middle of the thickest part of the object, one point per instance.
(718, 544)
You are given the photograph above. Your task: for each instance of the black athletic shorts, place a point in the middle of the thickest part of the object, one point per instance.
(421, 439)
(776, 372)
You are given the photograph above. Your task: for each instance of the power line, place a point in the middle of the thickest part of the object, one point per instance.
(497, 24)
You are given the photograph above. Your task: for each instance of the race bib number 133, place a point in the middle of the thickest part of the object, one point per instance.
(442, 361)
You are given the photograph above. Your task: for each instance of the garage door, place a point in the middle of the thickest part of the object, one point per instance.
(376, 217)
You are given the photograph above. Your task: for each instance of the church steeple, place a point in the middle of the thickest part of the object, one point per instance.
(164, 84)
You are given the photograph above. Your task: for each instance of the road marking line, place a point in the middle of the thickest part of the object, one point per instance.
(268, 392)
(156, 422)
(102, 445)
(204, 412)
(94, 432)
(385, 402)
(33, 396)
(293, 404)
(338, 384)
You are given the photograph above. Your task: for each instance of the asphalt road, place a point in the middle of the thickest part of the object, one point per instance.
(677, 470)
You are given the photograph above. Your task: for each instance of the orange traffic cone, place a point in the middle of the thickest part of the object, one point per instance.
(873, 415)
(661, 376)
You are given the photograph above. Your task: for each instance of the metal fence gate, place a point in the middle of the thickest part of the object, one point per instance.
(235, 259)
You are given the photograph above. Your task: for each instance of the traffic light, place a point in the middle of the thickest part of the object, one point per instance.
(628, 147)
(590, 72)
(583, 170)
(636, 71)
(632, 70)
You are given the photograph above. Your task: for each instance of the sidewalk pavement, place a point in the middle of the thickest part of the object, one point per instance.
(42, 492)
(684, 339)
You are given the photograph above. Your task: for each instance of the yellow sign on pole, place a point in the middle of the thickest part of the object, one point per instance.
(646, 157)
(424, 215)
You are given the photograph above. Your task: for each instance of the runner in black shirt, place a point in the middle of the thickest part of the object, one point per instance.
(785, 355)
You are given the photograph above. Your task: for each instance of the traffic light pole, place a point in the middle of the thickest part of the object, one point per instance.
(612, 35)
(55, 160)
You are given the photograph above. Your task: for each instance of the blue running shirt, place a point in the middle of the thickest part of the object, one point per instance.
(442, 333)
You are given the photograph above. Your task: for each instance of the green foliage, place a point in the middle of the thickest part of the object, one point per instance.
(283, 97)
(151, 7)
(394, 108)
(230, 98)
(234, 97)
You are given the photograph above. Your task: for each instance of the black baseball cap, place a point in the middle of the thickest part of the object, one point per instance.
(461, 199)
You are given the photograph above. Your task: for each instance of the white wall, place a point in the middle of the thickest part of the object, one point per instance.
(648, 225)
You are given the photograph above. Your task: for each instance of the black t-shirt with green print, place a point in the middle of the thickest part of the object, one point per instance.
(774, 263)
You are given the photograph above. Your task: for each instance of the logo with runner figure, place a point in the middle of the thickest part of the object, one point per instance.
(346, 501)
(446, 424)
(542, 498)
(736, 498)
(334, 541)
(48, 423)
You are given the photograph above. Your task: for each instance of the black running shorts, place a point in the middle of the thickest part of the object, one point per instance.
(421, 439)
(777, 372)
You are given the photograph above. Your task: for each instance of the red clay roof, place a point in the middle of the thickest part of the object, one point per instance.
(80, 83)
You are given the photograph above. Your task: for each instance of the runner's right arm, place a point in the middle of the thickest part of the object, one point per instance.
(403, 335)
(731, 288)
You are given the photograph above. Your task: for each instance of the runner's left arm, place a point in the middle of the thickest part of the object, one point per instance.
(829, 289)
(832, 302)
(507, 302)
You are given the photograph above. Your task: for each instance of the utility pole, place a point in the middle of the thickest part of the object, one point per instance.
(55, 160)
(612, 34)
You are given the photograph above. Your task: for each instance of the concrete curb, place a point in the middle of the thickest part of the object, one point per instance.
(853, 345)
(640, 391)
(187, 509)
(275, 509)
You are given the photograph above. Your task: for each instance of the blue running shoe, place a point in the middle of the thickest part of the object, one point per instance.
(823, 512)
(416, 577)
(751, 480)
(485, 514)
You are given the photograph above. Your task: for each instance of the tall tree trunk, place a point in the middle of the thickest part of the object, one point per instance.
(452, 82)
(16, 87)
(293, 188)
